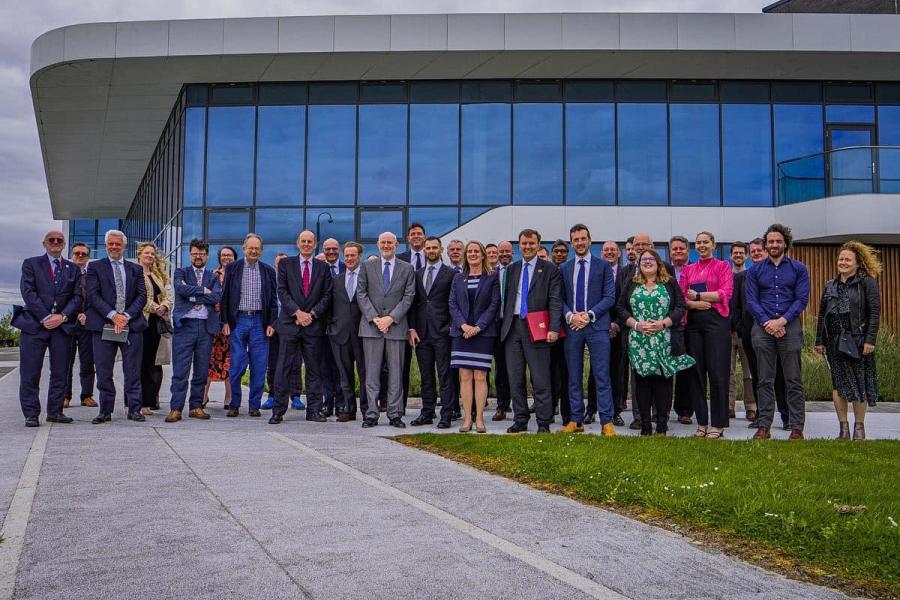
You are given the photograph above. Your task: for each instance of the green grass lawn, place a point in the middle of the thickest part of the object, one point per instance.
(794, 507)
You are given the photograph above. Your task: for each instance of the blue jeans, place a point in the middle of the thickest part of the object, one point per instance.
(249, 346)
(191, 345)
(597, 342)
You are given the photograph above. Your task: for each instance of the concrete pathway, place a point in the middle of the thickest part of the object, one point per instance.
(236, 508)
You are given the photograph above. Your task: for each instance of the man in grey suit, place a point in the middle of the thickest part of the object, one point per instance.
(385, 293)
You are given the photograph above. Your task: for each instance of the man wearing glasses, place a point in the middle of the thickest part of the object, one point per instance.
(82, 342)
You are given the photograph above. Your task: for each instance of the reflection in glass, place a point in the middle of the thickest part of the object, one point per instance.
(279, 224)
(232, 224)
(467, 213)
(382, 154)
(643, 154)
(854, 113)
(694, 131)
(537, 154)
(889, 160)
(191, 225)
(437, 221)
(485, 153)
(194, 142)
(590, 154)
(434, 154)
(747, 154)
(373, 223)
(229, 156)
(331, 159)
(279, 155)
(798, 132)
(342, 229)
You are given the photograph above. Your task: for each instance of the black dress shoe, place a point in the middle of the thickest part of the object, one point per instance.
(618, 421)
(136, 417)
(102, 418)
(421, 420)
(517, 428)
(275, 419)
(32, 422)
(254, 413)
(636, 424)
(588, 419)
(232, 412)
(456, 416)
(443, 424)
(753, 425)
(328, 412)
(543, 429)
(398, 423)
(369, 423)
(316, 418)
(60, 418)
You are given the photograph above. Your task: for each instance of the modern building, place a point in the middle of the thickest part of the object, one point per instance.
(477, 125)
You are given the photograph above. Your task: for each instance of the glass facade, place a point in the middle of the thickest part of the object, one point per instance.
(353, 159)
(92, 233)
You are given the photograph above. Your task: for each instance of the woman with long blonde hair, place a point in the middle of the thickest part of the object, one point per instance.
(157, 311)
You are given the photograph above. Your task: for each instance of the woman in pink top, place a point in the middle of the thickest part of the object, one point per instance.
(707, 285)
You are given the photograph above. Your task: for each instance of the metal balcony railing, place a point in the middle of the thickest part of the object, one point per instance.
(851, 170)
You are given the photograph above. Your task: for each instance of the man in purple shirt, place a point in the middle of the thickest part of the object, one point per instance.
(777, 291)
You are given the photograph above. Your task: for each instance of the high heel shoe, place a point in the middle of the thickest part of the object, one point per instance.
(480, 428)
(844, 433)
(465, 429)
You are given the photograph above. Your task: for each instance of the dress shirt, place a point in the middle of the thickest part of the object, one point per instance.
(437, 269)
(350, 279)
(118, 265)
(678, 272)
(776, 291)
(334, 267)
(199, 311)
(458, 268)
(390, 266)
(421, 254)
(532, 264)
(251, 288)
(587, 275)
(717, 276)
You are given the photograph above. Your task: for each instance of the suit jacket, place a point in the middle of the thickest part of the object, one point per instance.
(290, 293)
(188, 293)
(487, 304)
(101, 291)
(341, 267)
(601, 291)
(231, 293)
(739, 312)
(407, 256)
(544, 293)
(344, 318)
(430, 313)
(375, 301)
(42, 297)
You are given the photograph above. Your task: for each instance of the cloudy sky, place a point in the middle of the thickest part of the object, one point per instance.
(24, 202)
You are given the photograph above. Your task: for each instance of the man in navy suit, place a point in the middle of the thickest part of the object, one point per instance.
(589, 293)
(48, 287)
(249, 310)
(82, 339)
(343, 334)
(331, 376)
(304, 289)
(116, 299)
(195, 320)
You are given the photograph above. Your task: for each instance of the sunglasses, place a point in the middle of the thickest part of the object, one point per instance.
(56, 240)
(79, 254)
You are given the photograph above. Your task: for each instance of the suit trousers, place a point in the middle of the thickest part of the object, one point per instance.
(772, 351)
(592, 388)
(501, 378)
(521, 352)
(311, 348)
(433, 354)
(559, 382)
(331, 381)
(105, 360)
(249, 347)
(32, 347)
(618, 360)
(83, 344)
(684, 405)
(295, 382)
(380, 351)
(191, 347)
(708, 340)
(780, 401)
(347, 357)
(597, 343)
(737, 352)
(653, 391)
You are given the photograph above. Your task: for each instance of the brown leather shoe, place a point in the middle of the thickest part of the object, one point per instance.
(66, 402)
(343, 418)
(609, 430)
(751, 415)
(232, 412)
(500, 415)
(572, 427)
(174, 416)
(198, 413)
(762, 433)
(685, 420)
(796, 434)
(88, 402)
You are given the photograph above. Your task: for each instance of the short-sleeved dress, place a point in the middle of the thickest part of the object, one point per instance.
(651, 354)
(477, 352)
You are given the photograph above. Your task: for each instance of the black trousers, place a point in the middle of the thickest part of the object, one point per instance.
(653, 392)
(501, 377)
(83, 344)
(780, 390)
(331, 382)
(151, 373)
(708, 340)
(520, 351)
(433, 356)
(310, 347)
(618, 374)
(348, 357)
(295, 383)
(559, 382)
(684, 404)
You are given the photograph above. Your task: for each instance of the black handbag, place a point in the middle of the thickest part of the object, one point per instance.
(164, 327)
(849, 345)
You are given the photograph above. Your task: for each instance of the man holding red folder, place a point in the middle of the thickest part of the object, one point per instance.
(532, 319)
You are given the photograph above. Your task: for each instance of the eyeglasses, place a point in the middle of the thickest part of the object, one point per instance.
(56, 240)
(79, 254)
(648, 261)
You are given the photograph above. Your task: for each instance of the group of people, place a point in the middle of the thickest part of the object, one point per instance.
(669, 330)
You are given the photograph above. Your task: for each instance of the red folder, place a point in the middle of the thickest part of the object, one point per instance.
(539, 326)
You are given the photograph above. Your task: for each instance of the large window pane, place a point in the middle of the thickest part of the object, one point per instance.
(343, 225)
(747, 154)
(853, 113)
(331, 159)
(229, 156)
(467, 213)
(643, 154)
(279, 224)
(373, 223)
(194, 144)
(695, 154)
(437, 221)
(191, 225)
(798, 132)
(382, 154)
(227, 225)
(537, 155)
(434, 154)
(590, 154)
(485, 153)
(889, 159)
(280, 155)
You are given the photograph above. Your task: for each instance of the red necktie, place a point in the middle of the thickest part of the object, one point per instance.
(306, 278)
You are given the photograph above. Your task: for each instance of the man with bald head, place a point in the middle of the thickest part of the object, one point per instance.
(385, 293)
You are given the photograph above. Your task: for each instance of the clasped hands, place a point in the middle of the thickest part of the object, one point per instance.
(303, 319)
(383, 323)
(53, 321)
(776, 327)
(650, 327)
(579, 320)
(120, 322)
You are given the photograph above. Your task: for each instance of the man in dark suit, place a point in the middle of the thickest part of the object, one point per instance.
(429, 334)
(195, 320)
(415, 256)
(343, 335)
(331, 376)
(683, 404)
(249, 310)
(116, 299)
(559, 373)
(82, 340)
(48, 287)
(304, 289)
(501, 377)
(532, 285)
(295, 382)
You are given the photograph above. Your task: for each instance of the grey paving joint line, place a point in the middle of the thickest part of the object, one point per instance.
(562, 574)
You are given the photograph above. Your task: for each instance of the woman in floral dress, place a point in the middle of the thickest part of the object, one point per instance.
(219, 359)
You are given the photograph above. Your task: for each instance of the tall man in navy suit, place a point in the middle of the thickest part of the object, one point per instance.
(589, 292)
(195, 320)
(116, 299)
(48, 288)
(331, 376)
(304, 289)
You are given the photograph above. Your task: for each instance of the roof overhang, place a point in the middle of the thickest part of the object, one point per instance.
(102, 92)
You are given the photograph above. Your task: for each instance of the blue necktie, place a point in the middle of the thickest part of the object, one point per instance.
(579, 285)
(523, 309)
(57, 272)
(386, 276)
